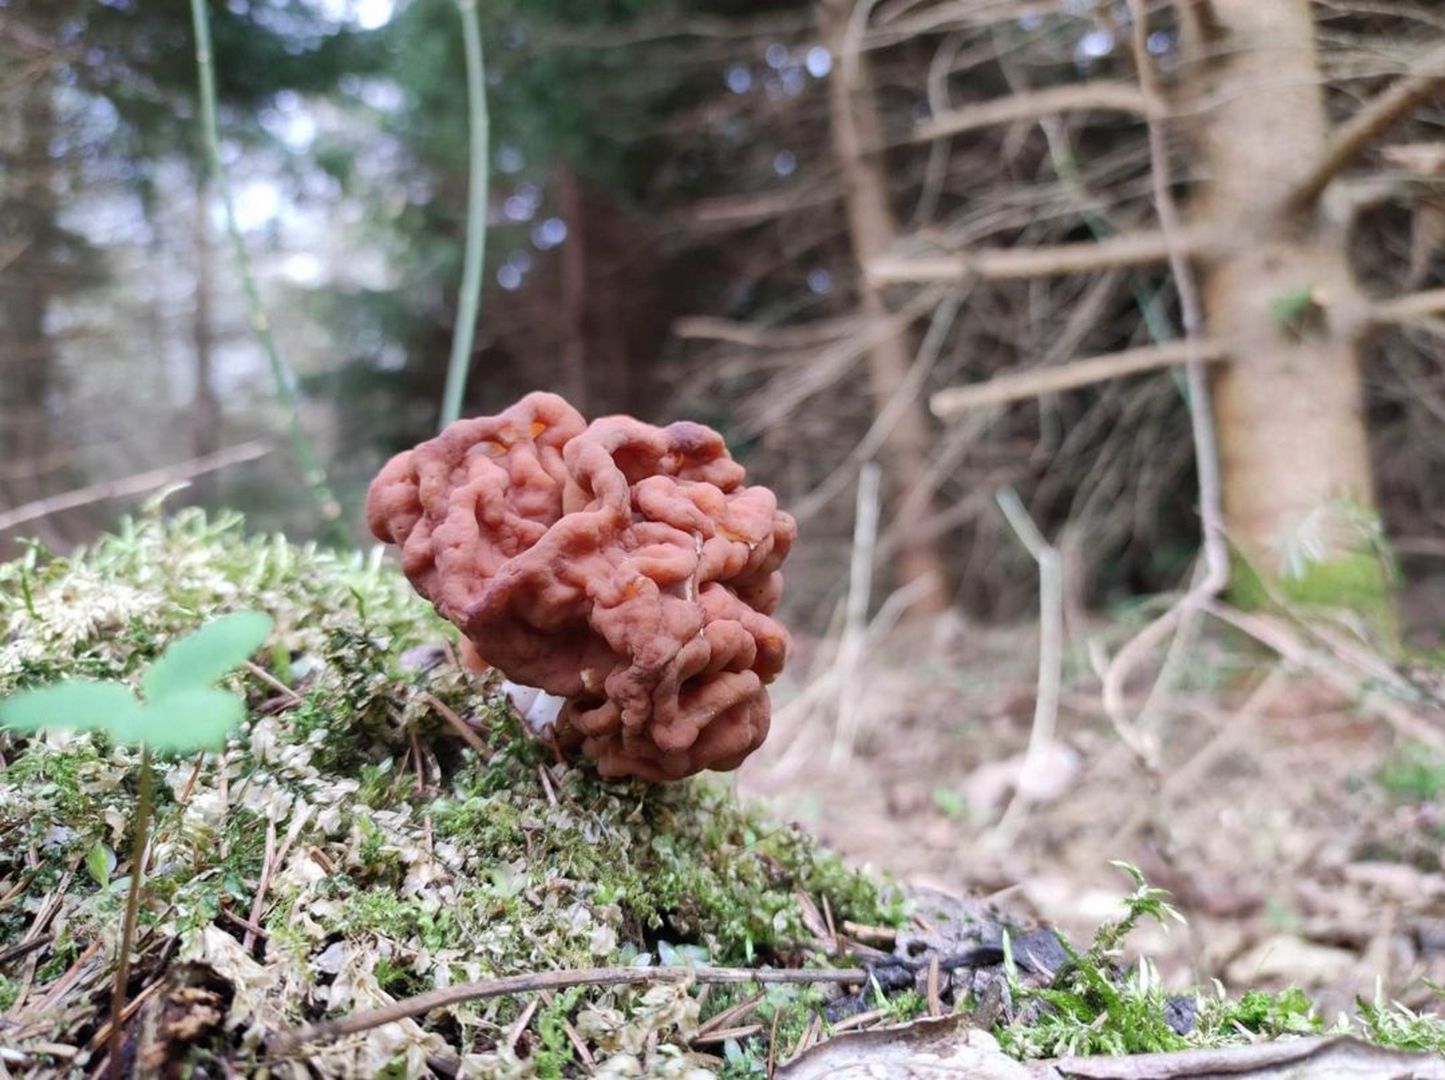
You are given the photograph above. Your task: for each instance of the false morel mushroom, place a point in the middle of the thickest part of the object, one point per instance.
(622, 566)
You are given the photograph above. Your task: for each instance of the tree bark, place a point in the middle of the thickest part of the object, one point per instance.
(32, 275)
(1294, 452)
(574, 287)
(856, 127)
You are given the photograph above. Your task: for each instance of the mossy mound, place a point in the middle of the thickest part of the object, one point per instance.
(400, 858)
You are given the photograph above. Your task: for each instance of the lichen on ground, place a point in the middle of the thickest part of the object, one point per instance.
(400, 858)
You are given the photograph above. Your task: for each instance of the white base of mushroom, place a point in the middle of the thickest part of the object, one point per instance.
(537, 708)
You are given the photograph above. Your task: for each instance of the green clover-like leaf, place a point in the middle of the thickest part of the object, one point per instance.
(200, 658)
(190, 719)
(77, 704)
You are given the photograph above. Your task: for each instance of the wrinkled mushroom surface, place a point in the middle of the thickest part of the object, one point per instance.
(622, 566)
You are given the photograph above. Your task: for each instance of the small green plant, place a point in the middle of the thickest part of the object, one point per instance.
(1390, 1023)
(181, 713)
(1091, 1009)
(1295, 310)
(1414, 774)
(950, 803)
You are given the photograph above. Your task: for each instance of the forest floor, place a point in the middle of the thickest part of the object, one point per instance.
(1297, 830)
(379, 830)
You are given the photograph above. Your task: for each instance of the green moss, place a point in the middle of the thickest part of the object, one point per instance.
(454, 866)
(1414, 773)
(1286, 1012)
(1392, 1024)
(1338, 561)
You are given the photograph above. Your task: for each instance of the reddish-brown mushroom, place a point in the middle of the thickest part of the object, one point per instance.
(622, 566)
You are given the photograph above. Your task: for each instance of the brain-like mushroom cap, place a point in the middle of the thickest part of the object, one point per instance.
(622, 566)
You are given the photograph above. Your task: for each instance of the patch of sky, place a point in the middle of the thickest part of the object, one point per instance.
(509, 159)
(1094, 45)
(549, 234)
(362, 14)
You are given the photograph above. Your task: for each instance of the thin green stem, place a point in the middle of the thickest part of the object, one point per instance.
(281, 373)
(469, 301)
(141, 823)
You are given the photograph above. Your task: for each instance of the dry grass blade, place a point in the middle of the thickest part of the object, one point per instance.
(724, 1034)
(731, 1015)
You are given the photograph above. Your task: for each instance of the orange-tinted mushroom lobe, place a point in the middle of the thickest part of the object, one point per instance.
(625, 567)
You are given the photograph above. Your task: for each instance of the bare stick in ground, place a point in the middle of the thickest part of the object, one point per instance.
(1051, 650)
(860, 587)
(557, 980)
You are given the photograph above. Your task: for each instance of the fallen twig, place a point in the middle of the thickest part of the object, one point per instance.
(859, 1020)
(14, 952)
(872, 935)
(422, 1004)
(138, 484)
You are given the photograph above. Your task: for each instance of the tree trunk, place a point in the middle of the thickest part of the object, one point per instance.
(574, 288)
(1294, 452)
(29, 279)
(872, 228)
(205, 407)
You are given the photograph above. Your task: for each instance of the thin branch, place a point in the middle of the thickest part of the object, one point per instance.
(281, 373)
(1023, 264)
(1034, 105)
(1359, 687)
(752, 336)
(1201, 412)
(1412, 307)
(889, 416)
(138, 484)
(1376, 117)
(557, 980)
(1201, 423)
(471, 290)
(956, 400)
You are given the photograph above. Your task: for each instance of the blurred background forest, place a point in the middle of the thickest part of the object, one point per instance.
(808, 225)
